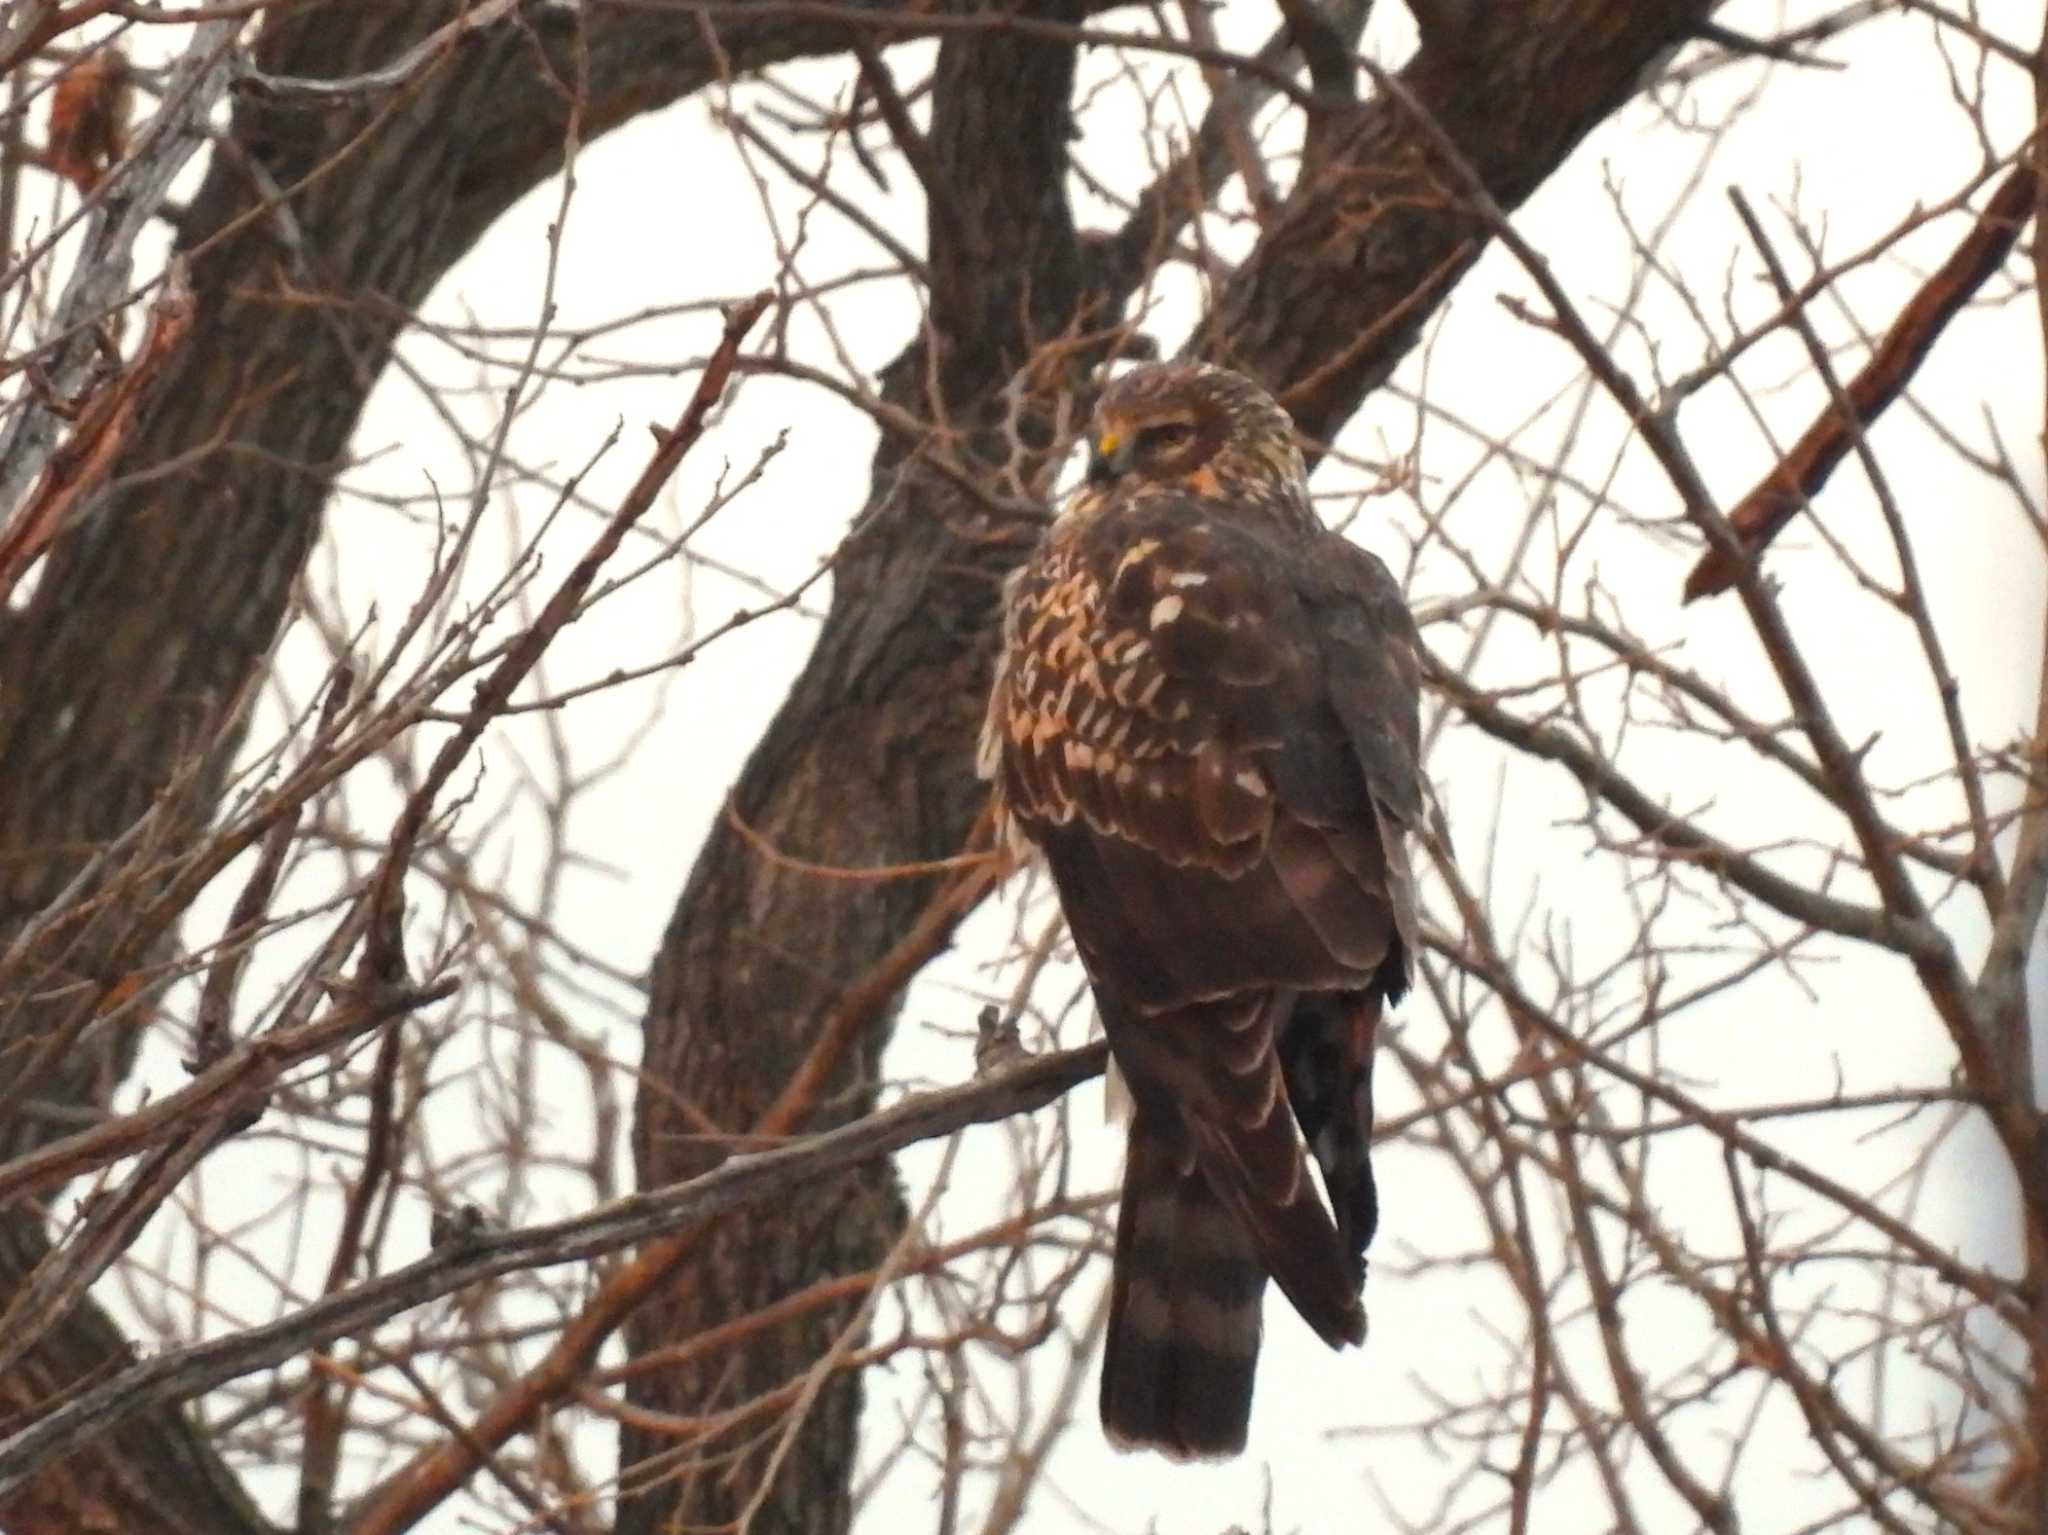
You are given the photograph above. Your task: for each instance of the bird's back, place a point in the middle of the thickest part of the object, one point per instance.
(1199, 694)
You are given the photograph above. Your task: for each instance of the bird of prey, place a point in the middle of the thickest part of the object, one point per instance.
(1205, 716)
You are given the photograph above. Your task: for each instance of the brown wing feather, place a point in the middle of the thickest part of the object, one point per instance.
(1146, 674)
(1205, 726)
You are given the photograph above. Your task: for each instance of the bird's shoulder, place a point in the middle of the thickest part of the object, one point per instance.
(1370, 652)
(1153, 652)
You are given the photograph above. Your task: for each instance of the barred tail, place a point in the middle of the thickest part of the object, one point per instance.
(1184, 1305)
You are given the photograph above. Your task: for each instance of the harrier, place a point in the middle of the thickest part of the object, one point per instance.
(1204, 715)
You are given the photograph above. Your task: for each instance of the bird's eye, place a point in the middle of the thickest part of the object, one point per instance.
(1165, 434)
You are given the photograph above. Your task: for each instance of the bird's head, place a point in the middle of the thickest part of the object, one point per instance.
(1195, 428)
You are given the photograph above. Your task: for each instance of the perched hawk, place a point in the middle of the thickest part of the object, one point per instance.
(1205, 715)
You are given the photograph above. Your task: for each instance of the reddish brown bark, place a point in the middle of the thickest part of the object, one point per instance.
(151, 616)
(1796, 479)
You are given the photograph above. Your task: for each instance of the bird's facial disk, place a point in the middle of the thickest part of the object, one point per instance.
(1165, 447)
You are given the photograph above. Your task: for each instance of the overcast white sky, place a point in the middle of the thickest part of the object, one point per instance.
(663, 211)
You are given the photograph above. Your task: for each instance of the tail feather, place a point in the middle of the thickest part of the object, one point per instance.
(1213, 1068)
(1183, 1340)
(1218, 1198)
(1296, 1243)
(1326, 1053)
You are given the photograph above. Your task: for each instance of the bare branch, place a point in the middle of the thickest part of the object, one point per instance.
(748, 1178)
(1793, 483)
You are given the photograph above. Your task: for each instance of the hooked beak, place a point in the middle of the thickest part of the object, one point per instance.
(1109, 458)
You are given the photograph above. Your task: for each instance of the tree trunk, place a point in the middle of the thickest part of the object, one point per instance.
(869, 761)
(868, 756)
(152, 618)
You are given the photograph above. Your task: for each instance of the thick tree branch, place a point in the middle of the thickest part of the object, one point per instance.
(148, 622)
(438, 1471)
(1378, 218)
(1985, 1064)
(1794, 482)
(178, 1375)
(132, 659)
(128, 200)
(868, 754)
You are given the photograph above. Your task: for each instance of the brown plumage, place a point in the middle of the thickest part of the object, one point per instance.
(1205, 716)
(89, 111)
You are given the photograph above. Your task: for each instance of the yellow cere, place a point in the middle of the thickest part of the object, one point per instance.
(1108, 442)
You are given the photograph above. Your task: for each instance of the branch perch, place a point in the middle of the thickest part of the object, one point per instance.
(1793, 483)
(181, 1374)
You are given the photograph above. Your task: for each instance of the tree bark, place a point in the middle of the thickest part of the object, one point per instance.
(154, 615)
(869, 761)
(151, 618)
(756, 952)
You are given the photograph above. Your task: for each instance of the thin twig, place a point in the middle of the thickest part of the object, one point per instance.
(1794, 482)
(181, 1374)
